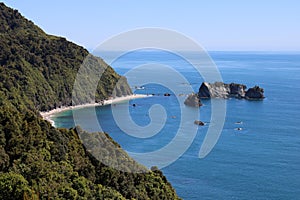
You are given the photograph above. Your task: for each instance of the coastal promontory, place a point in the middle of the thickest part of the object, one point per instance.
(39, 161)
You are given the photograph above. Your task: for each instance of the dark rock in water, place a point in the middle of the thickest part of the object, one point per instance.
(223, 90)
(239, 122)
(255, 93)
(193, 101)
(204, 90)
(167, 94)
(198, 122)
(238, 129)
(237, 90)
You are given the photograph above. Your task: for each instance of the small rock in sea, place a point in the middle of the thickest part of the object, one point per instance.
(134, 105)
(198, 122)
(193, 100)
(238, 129)
(167, 94)
(239, 122)
(255, 93)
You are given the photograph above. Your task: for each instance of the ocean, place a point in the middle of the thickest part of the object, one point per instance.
(262, 161)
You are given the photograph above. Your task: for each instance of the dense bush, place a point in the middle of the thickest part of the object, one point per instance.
(44, 67)
(38, 161)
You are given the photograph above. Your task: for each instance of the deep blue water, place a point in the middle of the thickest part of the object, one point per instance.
(260, 162)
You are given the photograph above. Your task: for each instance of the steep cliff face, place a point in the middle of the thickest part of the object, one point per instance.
(223, 90)
(38, 161)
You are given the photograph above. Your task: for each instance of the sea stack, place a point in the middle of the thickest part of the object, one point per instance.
(223, 90)
(255, 93)
(193, 100)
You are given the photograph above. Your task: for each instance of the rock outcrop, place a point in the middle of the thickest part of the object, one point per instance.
(237, 90)
(223, 90)
(193, 100)
(255, 93)
(199, 123)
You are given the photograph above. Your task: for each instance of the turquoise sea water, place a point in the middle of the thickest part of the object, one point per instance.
(260, 162)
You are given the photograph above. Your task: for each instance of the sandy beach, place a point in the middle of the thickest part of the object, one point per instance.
(48, 115)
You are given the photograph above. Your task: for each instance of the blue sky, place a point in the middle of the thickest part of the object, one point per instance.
(216, 25)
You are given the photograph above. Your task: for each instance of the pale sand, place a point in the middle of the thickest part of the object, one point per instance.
(48, 115)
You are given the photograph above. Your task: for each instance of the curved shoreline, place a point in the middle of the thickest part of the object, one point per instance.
(49, 114)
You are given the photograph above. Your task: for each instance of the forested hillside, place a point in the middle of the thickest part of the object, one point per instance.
(38, 161)
(44, 67)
